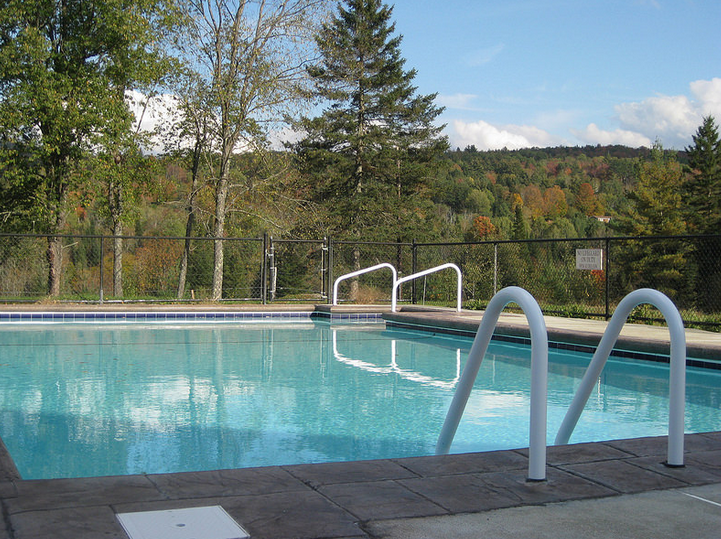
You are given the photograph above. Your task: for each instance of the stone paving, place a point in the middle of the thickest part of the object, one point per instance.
(344, 500)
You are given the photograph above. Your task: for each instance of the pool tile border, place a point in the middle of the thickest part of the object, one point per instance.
(348, 317)
(189, 316)
(132, 316)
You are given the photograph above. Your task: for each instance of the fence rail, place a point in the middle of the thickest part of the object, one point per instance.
(266, 269)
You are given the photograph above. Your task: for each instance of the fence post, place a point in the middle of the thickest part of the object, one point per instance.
(495, 268)
(329, 282)
(608, 280)
(414, 270)
(264, 270)
(102, 248)
(323, 271)
(272, 269)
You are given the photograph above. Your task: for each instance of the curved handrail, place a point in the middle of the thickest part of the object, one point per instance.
(394, 297)
(539, 376)
(677, 381)
(361, 272)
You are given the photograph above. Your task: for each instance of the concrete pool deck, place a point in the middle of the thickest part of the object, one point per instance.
(615, 489)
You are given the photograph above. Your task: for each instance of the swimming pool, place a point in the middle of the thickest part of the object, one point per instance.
(81, 400)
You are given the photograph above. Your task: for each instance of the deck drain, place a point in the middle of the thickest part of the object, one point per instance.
(190, 523)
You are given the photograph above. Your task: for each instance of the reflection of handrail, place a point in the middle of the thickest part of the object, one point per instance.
(394, 368)
(677, 381)
(361, 272)
(421, 274)
(539, 376)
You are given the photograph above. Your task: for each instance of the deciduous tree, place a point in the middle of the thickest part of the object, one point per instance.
(586, 200)
(64, 69)
(484, 227)
(250, 58)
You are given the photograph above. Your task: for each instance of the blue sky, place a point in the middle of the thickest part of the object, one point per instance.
(521, 73)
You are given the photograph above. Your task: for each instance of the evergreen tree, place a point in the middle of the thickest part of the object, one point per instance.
(368, 154)
(520, 225)
(656, 211)
(703, 187)
(702, 195)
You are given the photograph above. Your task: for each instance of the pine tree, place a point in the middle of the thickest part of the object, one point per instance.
(371, 149)
(656, 210)
(703, 187)
(702, 197)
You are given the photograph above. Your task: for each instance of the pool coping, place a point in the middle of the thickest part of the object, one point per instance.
(354, 499)
(636, 341)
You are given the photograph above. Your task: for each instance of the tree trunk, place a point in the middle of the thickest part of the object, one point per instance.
(115, 205)
(55, 244)
(221, 198)
(189, 226)
(55, 264)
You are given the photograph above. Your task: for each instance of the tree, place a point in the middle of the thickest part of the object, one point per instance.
(64, 69)
(483, 227)
(586, 200)
(250, 58)
(656, 198)
(120, 175)
(554, 202)
(520, 229)
(533, 201)
(189, 139)
(656, 210)
(702, 196)
(703, 187)
(371, 151)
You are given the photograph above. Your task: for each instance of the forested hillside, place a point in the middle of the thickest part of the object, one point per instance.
(561, 192)
(538, 193)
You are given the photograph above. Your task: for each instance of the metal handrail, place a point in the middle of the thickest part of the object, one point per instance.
(677, 374)
(361, 272)
(394, 297)
(539, 376)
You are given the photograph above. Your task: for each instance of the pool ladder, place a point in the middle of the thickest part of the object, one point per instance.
(398, 282)
(539, 373)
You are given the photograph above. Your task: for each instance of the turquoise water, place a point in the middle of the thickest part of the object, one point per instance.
(81, 400)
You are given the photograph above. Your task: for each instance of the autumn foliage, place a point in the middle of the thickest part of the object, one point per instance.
(484, 227)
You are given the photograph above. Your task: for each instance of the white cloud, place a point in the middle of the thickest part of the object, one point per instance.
(485, 136)
(594, 135)
(457, 101)
(672, 119)
(669, 118)
(708, 93)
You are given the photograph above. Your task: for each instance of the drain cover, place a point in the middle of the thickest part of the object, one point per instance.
(191, 523)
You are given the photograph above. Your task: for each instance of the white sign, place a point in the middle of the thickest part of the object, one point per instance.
(589, 259)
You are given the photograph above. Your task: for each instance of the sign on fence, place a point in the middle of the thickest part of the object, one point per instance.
(589, 259)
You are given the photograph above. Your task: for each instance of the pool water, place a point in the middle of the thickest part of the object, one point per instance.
(80, 400)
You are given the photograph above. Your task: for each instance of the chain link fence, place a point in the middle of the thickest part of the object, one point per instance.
(263, 270)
